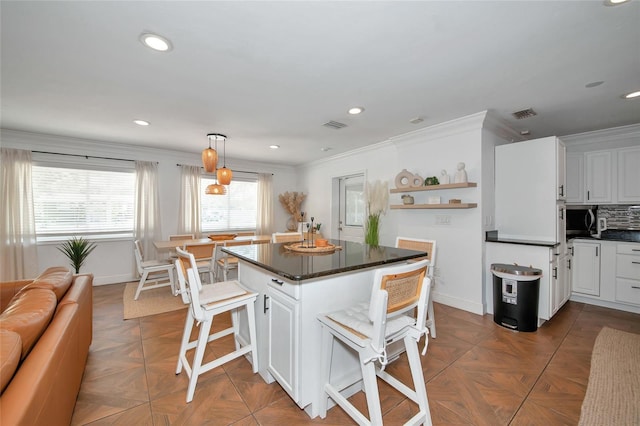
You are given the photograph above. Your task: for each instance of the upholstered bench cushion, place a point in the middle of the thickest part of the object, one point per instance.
(57, 279)
(29, 314)
(10, 350)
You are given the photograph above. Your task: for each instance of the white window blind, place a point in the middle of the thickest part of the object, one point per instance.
(234, 211)
(75, 201)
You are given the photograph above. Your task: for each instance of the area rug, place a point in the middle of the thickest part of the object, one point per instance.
(151, 302)
(613, 392)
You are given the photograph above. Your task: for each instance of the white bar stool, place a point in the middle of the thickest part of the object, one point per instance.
(368, 328)
(206, 302)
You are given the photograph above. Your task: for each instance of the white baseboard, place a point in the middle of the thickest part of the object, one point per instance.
(465, 305)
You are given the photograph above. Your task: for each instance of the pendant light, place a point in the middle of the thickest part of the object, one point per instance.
(215, 189)
(209, 155)
(224, 174)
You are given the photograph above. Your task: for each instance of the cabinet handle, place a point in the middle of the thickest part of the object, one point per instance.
(569, 264)
(555, 273)
(588, 195)
(277, 281)
(264, 301)
(597, 251)
(562, 214)
(637, 263)
(636, 287)
(571, 251)
(635, 249)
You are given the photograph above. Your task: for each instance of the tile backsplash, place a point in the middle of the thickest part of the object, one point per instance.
(620, 216)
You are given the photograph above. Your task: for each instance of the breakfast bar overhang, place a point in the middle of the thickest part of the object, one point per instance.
(293, 289)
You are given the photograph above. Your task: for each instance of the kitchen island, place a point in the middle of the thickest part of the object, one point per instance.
(293, 289)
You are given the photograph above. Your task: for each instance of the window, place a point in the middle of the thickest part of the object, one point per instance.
(71, 200)
(236, 210)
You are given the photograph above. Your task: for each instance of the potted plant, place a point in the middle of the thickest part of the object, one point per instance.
(77, 249)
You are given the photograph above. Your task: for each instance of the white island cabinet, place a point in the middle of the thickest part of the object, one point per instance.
(293, 289)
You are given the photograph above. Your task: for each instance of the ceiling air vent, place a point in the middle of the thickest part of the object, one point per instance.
(525, 113)
(334, 125)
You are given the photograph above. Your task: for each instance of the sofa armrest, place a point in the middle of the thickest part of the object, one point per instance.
(8, 289)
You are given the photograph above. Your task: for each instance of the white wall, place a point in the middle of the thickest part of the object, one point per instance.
(113, 261)
(461, 243)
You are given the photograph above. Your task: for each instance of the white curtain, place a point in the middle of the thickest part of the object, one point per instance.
(264, 223)
(189, 211)
(147, 226)
(18, 249)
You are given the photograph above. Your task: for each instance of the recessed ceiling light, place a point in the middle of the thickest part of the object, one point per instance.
(614, 2)
(155, 42)
(631, 95)
(356, 110)
(274, 146)
(325, 149)
(593, 84)
(141, 122)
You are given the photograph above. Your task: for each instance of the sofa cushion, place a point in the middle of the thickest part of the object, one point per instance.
(56, 279)
(29, 314)
(10, 350)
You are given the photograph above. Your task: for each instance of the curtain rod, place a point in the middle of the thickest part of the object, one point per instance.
(239, 171)
(84, 156)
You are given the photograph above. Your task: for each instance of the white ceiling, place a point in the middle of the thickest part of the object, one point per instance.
(273, 72)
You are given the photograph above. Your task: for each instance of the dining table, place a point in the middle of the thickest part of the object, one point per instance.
(172, 244)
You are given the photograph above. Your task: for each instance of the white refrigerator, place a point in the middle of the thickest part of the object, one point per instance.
(530, 190)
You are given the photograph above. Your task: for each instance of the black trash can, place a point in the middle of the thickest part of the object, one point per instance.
(516, 291)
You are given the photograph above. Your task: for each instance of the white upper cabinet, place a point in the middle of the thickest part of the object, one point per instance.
(629, 175)
(598, 180)
(575, 178)
(561, 174)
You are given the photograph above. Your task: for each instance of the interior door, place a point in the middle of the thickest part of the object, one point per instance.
(351, 210)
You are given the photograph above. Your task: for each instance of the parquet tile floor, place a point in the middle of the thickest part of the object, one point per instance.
(477, 373)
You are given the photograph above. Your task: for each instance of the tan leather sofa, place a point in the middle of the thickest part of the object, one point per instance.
(45, 334)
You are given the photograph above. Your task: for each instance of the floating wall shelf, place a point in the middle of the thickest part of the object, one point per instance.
(435, 187)
(435, 206)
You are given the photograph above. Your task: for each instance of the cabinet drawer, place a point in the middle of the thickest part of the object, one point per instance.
(287, 287)
(628, 249)
(628, 266)
(628, 291)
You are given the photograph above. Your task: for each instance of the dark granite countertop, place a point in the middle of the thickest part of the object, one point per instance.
(493, 237)
(629, 236)
(300, 266)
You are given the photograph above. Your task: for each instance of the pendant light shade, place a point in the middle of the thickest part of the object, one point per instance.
(224, 176)
(210, 155)
(215, 189)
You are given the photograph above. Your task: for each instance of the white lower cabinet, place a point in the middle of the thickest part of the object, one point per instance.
(284, 341)
(628, 274)
(607, 273)
(586, 268)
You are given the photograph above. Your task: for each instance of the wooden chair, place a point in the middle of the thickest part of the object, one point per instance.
(161, 273)
(286, 237)
(226, 262)
(430, 247)
(205, 303)
(368, 328)
(204, 255)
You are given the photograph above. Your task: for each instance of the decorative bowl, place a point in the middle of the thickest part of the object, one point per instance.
(222, 237)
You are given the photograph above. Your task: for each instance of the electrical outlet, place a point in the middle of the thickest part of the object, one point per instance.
(443, 219)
